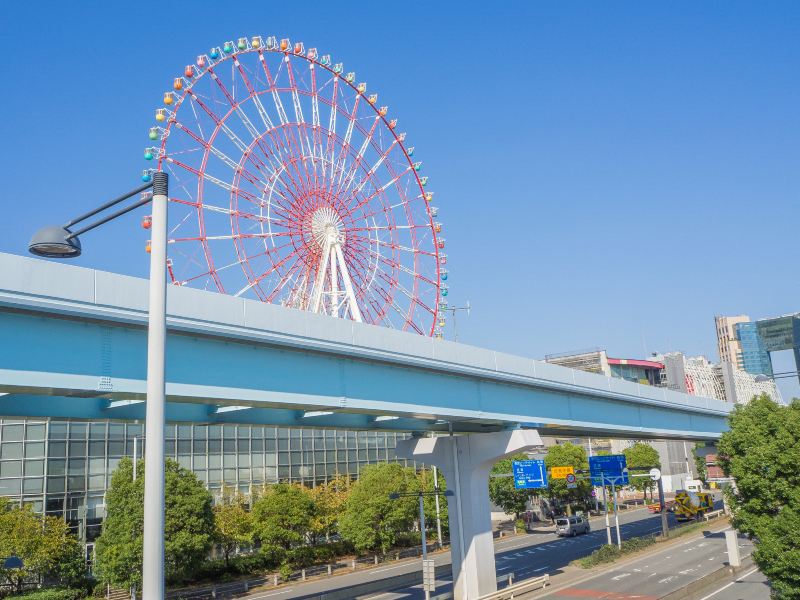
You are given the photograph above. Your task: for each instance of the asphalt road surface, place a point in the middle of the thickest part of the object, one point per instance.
(751, 585)
(658, 574)
(526, 556)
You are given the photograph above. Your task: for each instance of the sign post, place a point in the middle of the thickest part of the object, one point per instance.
(608, 525)
(610, 470)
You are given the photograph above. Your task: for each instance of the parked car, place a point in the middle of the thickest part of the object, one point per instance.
(572, 526)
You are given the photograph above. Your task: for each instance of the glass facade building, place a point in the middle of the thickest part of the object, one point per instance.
(753, 356)
(63, 467)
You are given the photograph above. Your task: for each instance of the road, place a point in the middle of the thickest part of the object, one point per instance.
(525, 556)
(657, 574)
(751, 585)
(546, 554)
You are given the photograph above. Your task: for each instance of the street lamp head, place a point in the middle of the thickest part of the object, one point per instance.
(53, 241)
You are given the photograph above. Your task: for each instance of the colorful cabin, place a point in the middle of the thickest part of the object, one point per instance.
(438, 335)
(201, 61)
(383, 110)
(312, 53)
(148, 154)
(255, 41)
(146, 177)
(392, 123)
(168, 98)
(285, 43)
(443, 305)
(440, 243)
(147, 222)
(338, 68)
(373, 98)
(161, 114)
(410, 151)
(227, 47)
(298, 48)
(213, 53)
(443, 274)
(153, 133)
(401, 136)
(437, 227)
(417, 165)
(443, 259)
(177, 85)
(188, 71)
(429, 197)
(241, 43)
(325, 60)
(445, 291)
(441, 323)
(423, 181)
(362, 87)
(433, 211)
(350, 77)
(148, 246)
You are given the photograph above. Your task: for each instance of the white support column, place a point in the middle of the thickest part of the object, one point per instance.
(465, 461)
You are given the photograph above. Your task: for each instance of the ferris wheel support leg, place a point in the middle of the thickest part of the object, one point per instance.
(319, 281)
(334, 282)
(355, 312)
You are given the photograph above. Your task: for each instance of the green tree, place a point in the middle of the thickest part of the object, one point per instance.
(700, 462)
(329, 503)
(564, 455)
(188, 531)
(44, 544)
(283, 515)
(761, 451)
(641, 455)
(501, 489)
(233, 522)
(371, 520)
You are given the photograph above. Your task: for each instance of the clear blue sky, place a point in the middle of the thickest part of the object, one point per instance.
(609, 173)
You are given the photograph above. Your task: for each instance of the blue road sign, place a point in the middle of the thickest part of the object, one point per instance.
(529, 474)
(606, 470)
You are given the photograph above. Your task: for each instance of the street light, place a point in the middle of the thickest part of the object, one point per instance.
(59, 241)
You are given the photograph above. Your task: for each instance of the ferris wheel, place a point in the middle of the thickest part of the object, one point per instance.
(290, 183)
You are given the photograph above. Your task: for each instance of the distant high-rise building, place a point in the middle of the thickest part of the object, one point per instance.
(753, 356)
(728, 344)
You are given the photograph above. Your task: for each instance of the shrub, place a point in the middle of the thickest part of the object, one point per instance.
(637, 543)
(53, 594)
(604, 554)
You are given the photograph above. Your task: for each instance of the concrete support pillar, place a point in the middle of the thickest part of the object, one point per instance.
(465, 461)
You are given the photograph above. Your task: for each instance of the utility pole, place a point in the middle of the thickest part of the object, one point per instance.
(438, 513)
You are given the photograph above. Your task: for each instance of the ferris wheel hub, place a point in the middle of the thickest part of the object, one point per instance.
(327, 227)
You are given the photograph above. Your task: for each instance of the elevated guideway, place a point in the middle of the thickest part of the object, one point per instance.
(73, 344)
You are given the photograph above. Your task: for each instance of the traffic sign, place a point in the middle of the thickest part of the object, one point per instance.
(571, 481)
(529, 474)
(655, 474)
(607, 470)
(561, 472)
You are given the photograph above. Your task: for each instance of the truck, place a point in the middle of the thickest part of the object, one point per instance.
(691, 505)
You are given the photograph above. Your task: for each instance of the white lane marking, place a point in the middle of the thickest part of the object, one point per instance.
(621, 576)
(541, 568)
(725, 587)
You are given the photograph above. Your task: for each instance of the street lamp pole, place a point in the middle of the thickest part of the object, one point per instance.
(153, 556)
(60, 241)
